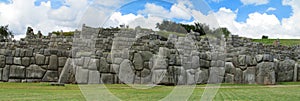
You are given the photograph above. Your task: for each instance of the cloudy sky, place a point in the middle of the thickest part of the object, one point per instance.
(249, 18)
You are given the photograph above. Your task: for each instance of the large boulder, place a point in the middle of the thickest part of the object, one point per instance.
(216, 75)
(40, 59)
(266, 73)
(94, 77)
(25, 61)
(201, 76)
(5, 75)
(2, 61)
(285, 70)
(126, 73)
(68, 73)
(34, 72)
(238, 76)
(53, 63)
(50, 76)
(195, 62)
(191, 79)
(17, 72)
(107, 78)
(159, 77)
(138, 62)
(62, 61)
(229, 78)
(82, 75)
(249, 75)
(104, 66)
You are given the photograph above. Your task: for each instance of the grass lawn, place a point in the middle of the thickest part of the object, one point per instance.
(284, 42)
(229, 92)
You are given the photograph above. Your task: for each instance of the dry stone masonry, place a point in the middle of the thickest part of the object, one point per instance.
(140, 56)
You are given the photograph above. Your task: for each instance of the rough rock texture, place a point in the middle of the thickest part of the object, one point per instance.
(35, 72)
(266, 73)
(126, 74)
(285, 70)
(50, 76)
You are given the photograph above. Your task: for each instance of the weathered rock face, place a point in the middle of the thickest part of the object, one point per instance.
(266, 73)
(216, 75)
(50, 76)
(126, 74)
(35, 72)
(53, 63)
(17, 72)
(138, 62)
(285, 70)
(143, 57)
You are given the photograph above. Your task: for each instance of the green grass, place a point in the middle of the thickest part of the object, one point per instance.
(284, 91)
(284, 42)
(166, 34)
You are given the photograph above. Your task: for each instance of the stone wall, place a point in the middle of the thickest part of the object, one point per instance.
(140, 56)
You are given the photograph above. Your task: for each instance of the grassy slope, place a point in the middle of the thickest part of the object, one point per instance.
(284, 42)
(43, 91)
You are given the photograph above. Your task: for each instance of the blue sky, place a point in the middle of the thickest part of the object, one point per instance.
(277, 18)
(243, 10)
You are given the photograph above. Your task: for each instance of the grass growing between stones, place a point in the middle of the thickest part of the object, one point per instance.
(287, 91)
(284, 42)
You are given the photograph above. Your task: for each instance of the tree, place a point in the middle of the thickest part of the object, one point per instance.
(264, 37)
(5, 33)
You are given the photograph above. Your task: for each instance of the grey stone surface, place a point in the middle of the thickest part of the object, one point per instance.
(68, 73)
(147, 55)
(50, 76)
(17, 61)
(17, 72)
(53, 63)
(195, 62)
(160, 63)
(229, 78)
(159, 77)
(259, 58)
(82, 75)
(1, 73)
(217, 63)
(9, 60)
(238, 76)
(94, 77)
(229, 68)
(126, 73)
(204, 63)
(25, 61)
(34, 72)
(216, 75)
(249, 75)
(242, 60)
(201, 76)
(104, 66)
(138, 62)
(62, 61)
(268, 58)
(2, 61)
(285, 71)
(93, 64)
(108, 78)
(191, 80)
(266, 73)
(5, 75)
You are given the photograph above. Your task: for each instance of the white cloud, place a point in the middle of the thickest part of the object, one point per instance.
(20, 14)
(255, 2)
(271, 9)
(259, 24)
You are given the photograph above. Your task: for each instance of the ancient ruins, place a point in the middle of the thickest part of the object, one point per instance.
(140, 56)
